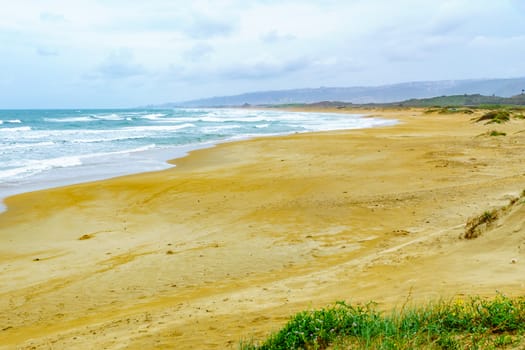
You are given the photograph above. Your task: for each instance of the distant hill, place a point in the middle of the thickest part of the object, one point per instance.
(365, 95)
(475, 100)
(464, 100)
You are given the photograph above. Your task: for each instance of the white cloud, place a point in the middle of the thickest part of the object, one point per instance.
(119, 64)
(52, 17)
(274, 37)
(264, 69)
(47, 51)
(198, 52)
(162, 50)
(205, 28)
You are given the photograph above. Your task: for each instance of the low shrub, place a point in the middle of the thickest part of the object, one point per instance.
(458, 324)
(476, 225)
(498, 117)
(497, 133)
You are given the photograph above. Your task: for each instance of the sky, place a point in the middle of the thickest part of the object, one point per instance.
(125, 53)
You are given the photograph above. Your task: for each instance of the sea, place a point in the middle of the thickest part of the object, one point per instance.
(48, 148)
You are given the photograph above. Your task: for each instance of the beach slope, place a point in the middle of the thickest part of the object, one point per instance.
(236, 238)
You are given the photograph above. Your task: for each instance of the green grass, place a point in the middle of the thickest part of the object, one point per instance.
(497, 133)
(509, 107)
(498, 116)
(448, 110)
(475, 323)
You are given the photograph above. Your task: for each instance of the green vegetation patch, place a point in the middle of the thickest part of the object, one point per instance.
(497, 133)
(498, 117)
(475, 323)
(471, 101)
(448, 110)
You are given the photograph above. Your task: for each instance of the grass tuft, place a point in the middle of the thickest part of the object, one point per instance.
(497, 133)
(476, 225)
(474, 323)
(497, 116)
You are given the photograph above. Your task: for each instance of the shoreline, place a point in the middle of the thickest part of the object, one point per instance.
(63, 177)
(237, 238)
(70, 176)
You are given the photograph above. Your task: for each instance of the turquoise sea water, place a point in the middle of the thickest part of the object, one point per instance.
(47, 148)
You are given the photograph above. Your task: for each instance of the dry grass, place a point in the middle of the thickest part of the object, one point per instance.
(477, 225)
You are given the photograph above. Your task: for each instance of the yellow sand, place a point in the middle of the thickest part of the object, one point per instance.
(235, 239)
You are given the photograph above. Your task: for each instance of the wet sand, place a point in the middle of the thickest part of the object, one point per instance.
(237, 238)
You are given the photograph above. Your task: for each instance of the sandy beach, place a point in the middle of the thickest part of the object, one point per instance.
(237, 238)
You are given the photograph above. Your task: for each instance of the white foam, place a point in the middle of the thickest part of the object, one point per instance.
(26, 145)
(237, 119)
(27, 168)
(21, 128)
(126, 151)
(173, 120)
(107, 139)
(33, 167)
(160, 127)
(214, 129)
(70, 120)
(59, 134)
(153, 116)
(111, 116)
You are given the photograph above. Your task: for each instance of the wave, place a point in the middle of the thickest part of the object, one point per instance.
(111, 116)
(12, 121)
(214, 129)
(159, 127)
(107, 139)
(222, 119)
(34, 167)
(60, 134)
(226, 115)
(92, 144)
(21, 128)
(125, 151)
(26, 145)
(172, 120)
(69, 120)
(153, 116)
(89, 118)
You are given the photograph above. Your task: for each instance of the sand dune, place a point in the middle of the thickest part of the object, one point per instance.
(236, 238)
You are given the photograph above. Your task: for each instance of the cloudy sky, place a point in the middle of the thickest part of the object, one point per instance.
(124, 53)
